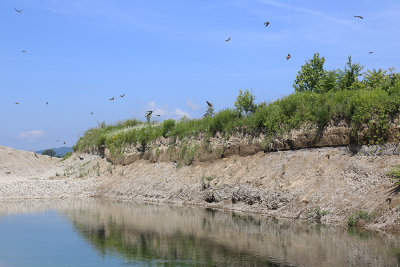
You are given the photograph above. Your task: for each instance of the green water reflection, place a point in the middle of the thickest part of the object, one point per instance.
(182, 236)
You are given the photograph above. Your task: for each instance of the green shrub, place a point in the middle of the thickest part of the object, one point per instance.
(245, 102)
(359, 215)
(395, 174)
(310, 76)
(166, 127)
(368, 105)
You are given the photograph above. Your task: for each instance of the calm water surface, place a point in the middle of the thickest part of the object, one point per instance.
(100, 233)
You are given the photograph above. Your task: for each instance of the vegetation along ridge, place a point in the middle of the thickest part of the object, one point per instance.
(367, 103)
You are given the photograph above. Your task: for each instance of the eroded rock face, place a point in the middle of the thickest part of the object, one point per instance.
(207, 149)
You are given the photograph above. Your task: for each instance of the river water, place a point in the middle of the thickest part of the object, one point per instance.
(102, 233)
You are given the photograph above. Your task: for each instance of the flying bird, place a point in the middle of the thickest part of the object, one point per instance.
(18, 10)
(227, 40)
(288, 56)
(149, 112)
(266, 23)
(370, 52)
(23, 51)
(158, 115)
(47, 102)
(80, 157)
(209, 104)
(65, 142)
(360, 17)
(16, 103)
(91, 113)
(122, 95)
(112, 98)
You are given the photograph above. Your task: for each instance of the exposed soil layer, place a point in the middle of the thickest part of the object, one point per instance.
(338, 181)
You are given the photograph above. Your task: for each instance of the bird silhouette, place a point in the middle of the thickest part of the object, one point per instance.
(227, 40)
(370, 52)
(65, 142)
(23, 51)
(360, 17)
(158, 115)
(80, 157)
(122, 95)
(18, 10)
(47, 103)
(91, 113)
(149, 112)
(209, 104)
(16, 103)
(266, 23)
(288, 56)
(112, 98)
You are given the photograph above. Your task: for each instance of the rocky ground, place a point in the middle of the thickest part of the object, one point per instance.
(292, 184)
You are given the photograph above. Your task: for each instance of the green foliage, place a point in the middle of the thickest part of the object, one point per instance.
(316, 214)
(359, 215)
(245, 102)
(367, 105)
(349, 76)
(310, 75)
(49, 152)
(209, 111)
(69, 154)
(148, 117)
(395, 175)
(166, 127)
(223, 121)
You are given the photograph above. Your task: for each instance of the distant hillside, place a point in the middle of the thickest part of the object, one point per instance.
(60, 152)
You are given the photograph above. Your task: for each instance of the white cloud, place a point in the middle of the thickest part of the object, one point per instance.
(191, 105)
(181, 113)
(32, 135)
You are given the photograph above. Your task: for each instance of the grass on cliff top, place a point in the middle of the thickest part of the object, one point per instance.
(321, 96)
(374, 108)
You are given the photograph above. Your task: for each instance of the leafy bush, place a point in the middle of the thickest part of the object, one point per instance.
(333, 95)
(166, 127)
(360, 215)
(310, 75)
(395, 174)
(316, 214)
(245, 102)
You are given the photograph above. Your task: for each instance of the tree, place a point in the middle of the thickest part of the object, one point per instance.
(209, 111)
(49, 152)
(245, 102)
(349, 76)
(310, 75)
(329, 81)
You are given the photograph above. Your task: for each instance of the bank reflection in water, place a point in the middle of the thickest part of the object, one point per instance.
(192, 236)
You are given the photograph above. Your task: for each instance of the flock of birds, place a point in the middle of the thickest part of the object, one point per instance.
(289, 56)
(150, 112)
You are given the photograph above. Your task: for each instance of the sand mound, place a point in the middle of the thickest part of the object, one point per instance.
(22, 164)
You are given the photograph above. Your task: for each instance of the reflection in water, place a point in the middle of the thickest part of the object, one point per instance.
(166, 235)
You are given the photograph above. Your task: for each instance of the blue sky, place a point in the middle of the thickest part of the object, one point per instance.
(168, 56)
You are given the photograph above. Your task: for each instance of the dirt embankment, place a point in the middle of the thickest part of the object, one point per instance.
(336, 181)
(198, 149)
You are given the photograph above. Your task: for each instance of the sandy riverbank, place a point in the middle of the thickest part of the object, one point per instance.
(287, 184)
